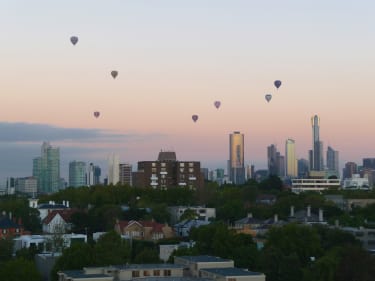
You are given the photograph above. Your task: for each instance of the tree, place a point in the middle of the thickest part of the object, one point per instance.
(6, 249)
(112, 249)
(75, 257)
(19, 269)
(147, 255)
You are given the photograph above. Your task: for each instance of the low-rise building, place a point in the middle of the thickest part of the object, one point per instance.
(144, 230)
(10, 227)
(356, 182)
(201, 212)
(314, 184)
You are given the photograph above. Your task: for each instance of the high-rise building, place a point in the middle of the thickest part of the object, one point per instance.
(126, 174)
(93, 175)
(291, 159)
(46, 169)
(316, 154)
(113, 169)
(369, 163)
(303, 168)
(349, 170)
(167, 172)
(77, 174)
(333, 160)
(236, 165)
(28, 185)
(276, 162)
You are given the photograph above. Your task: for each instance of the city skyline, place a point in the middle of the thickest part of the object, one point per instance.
(175, 59)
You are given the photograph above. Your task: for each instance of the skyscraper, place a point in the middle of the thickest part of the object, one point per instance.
(291, 159)
(276, 162)
(46, 169)
(113, 169)
(93, 175)
(77, 173)
(236, 158)
(333, 160)
(126, 174)
(316, 154)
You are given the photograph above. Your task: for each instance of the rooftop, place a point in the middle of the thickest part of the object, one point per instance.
(231, 271)
(204, 259)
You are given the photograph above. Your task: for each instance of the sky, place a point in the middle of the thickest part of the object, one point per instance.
(175, 58)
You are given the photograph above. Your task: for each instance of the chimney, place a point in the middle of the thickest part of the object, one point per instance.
(67, 204)
(292, 211)
(320, 215)
(10, 215)
(64, 202)
(249, 215)
(275, 218)
(308, 211)
(337, 223)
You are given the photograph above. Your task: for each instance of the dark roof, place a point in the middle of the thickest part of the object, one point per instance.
(81, 274)
(204, 259)
(6, 223)
(167, 156)
(231, 271)
(51, 206)
(65, 214)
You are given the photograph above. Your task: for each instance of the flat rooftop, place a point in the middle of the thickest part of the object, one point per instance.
(231, 271)
(204, 259)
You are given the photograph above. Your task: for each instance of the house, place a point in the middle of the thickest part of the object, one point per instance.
(144, 230)
(9, 227)
(202, 213)
(306, 216)
(183, 228)
(45, 208)
(247, 225)
(57, 221)
(266, 199)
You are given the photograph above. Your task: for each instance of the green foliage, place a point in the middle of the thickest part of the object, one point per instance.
(19, 269)
(112, 249)
(147, 255)
(6, 249)
(73, 258)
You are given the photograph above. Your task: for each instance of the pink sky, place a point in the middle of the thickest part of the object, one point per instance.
(176, 59)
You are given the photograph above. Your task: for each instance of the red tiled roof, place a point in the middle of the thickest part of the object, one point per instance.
(65, 215)
(156, 227)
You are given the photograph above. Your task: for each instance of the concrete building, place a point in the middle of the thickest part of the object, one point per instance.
(202, 213)
(167, 172)
(113, 169)
(77, 174)
(314, 184)
(291, 159)
(236, 166)
(126, 171)
(356, 182)
(350, 169)
(27, 185)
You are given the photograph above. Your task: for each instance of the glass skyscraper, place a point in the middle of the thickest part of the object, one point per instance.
(316, 154)
(236, 165)
(46, 169)
(333, 160)
(77, 174)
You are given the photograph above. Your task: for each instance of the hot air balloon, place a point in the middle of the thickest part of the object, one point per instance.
(96, 114)
(194, 117)
(277, 83)
(114, 73)
(217, 104)
(74, 40)
(268, 97)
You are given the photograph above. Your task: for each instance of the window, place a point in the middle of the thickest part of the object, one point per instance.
(135, 273)
(153, 164)
(191, 170)
(153, 170)
(182, 164)
(4, 231)
(156, 272)
(146, 273)
(191, 164)
(163, 164)
(167, 272)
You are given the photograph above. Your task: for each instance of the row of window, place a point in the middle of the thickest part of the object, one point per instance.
(5, 231)
(156, 272)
